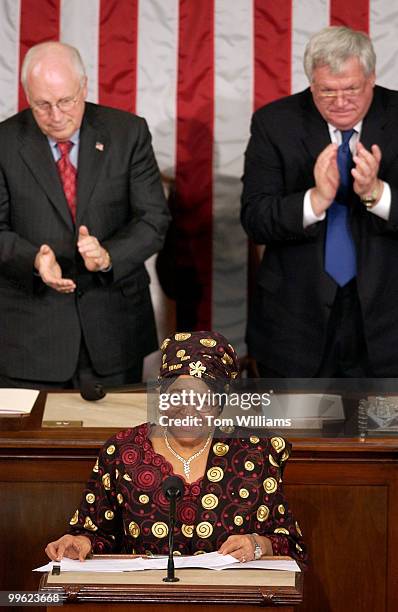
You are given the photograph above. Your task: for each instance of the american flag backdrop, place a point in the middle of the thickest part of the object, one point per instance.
(196, 70)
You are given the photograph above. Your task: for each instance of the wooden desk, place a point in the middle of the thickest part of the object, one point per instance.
(344, 493)
(207, 590)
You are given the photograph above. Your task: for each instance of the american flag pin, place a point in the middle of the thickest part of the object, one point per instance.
(99, 146)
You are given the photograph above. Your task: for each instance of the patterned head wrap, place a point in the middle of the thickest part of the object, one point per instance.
(202, 354)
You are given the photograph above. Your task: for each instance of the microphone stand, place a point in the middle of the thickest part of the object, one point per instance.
(171, 577)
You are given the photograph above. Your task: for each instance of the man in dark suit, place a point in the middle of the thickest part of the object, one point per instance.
(81, 209)
(321, 193)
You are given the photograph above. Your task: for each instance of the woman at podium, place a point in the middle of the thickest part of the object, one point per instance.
(233, 500)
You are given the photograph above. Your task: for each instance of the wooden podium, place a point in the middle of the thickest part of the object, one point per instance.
(198, 590)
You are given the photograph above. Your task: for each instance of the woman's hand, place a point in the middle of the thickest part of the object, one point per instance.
(73, 547)
(242, 547)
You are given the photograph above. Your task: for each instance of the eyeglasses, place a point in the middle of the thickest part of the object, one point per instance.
(333, 94)
(64, 105)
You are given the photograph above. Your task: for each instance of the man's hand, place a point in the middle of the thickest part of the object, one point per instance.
(327, 179)
(365, 173)
(72, 547)
(95, 257)
(50, 271)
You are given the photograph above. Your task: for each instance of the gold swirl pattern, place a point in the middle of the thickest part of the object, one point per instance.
(164, 358)
(160, 529)
(176, 553)
(281, 509)
(165, 344)
(143, 499)
(95, 468)
(208, 342)
(109, 515)
(88, 524)
(254, 439)
(116, 474)
(90, 498)
(238, 520)
(272, 461)
(285, 455)
(270, 485)
(182, 336)
(187, 530)
(298, 529)
(249, 466)
(120, 498)
(134, 529)
(180, 354)
(204, 529)
(227, 360)
(215, 474)
(127, 477)
(244, 493)
(262, 513)
(278, 444)
(74, 518)
(111, 449)
(220, 449)
(199, 552)
(298, 547)
(281, 530)
(106, 481)
(210, 501)
(228, 429)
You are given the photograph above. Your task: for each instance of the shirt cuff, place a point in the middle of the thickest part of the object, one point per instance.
(309, 217)
(383, 206)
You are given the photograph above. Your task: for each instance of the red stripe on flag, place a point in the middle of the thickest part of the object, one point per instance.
(351, 13)
(272, 50)
(117, 61)
(194, 157)
(36, 26)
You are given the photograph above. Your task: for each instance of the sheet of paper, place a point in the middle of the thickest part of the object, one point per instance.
(287, 565)
(17, 401)
(207, 561)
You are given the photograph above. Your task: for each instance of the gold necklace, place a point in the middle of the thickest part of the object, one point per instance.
(186, 462)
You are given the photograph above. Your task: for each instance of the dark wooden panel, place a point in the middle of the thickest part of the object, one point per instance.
(346, 531)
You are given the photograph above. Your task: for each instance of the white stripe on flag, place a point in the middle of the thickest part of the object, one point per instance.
(233, 109)
(79, 26)
(308, 17)
(157, 76)
(9, 58)
(383, 30)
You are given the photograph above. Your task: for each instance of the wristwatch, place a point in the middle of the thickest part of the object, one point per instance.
(258, 553)
(370, 200)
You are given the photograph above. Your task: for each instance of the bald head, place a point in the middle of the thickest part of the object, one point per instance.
(55, 84)
(49, 53)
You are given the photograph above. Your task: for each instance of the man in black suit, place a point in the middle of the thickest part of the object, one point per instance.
(81, 209)
(321, 193)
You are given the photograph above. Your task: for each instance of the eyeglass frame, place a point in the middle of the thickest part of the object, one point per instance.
(49, 106)
(333, 94)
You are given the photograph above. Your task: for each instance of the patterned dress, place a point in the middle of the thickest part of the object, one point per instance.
(123, 508)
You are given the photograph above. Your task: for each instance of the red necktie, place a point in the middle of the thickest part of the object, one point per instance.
(67, 173)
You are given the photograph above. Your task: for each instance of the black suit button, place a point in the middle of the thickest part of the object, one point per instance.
(80, 293)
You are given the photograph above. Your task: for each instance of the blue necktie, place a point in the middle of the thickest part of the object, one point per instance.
(340, 256)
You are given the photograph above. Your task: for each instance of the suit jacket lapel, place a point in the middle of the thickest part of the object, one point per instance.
(374, 124)
(316, 133)
(93, 150)
(36, 153)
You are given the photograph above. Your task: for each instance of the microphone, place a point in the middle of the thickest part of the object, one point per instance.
(173, 489)
(93, 391)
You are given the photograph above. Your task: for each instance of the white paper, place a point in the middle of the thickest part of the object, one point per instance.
(207, 561)
(17, 401)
